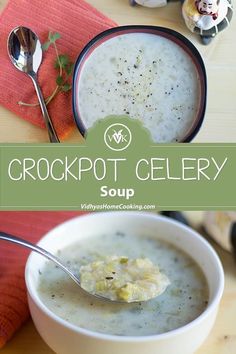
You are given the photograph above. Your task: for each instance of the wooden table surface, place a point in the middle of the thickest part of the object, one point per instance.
(220, 60)
(222, 339)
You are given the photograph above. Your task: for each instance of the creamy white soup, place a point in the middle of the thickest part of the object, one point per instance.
(143, 76)
(185, 298)
(123, 279)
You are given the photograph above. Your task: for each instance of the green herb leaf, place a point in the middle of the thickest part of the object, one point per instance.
(64, 60)
(52, 37)
(59, 80)
(56, 64)
(69, 68)
(45, 46)
(66, 87)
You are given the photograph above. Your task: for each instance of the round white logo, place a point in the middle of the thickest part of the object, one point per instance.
(117, 137)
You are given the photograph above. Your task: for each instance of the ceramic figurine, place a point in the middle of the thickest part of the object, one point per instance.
(207, 17)
(149, 3)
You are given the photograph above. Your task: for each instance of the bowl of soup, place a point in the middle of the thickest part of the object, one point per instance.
(153, 74)
(176, 322)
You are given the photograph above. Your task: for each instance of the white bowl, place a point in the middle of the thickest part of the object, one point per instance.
(65, 338)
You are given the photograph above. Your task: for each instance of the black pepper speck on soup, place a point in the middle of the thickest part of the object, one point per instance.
(146, 75)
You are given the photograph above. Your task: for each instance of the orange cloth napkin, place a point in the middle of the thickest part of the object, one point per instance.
(77, 22)
(13, 301)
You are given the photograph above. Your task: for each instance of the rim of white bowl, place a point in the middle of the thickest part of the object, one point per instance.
(110, 337)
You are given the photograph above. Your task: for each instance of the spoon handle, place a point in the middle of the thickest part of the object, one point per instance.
(7, 237)
(51, 131)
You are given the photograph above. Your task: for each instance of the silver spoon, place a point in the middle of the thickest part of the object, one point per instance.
(7, 237)
(25, 52)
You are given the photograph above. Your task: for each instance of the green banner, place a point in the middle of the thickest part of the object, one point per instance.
(118, 167)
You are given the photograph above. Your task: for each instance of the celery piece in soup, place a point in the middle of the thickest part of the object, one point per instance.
(123, 279)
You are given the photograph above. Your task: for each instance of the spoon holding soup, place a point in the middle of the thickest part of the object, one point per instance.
(114, 278)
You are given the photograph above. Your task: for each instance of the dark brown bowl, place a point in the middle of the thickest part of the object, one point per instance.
(170, 34)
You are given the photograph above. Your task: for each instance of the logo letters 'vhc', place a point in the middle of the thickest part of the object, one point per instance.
(117, 136)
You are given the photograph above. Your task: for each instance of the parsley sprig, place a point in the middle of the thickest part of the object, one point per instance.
(62, 64)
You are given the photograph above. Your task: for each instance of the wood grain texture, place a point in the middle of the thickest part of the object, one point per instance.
(220, 60)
